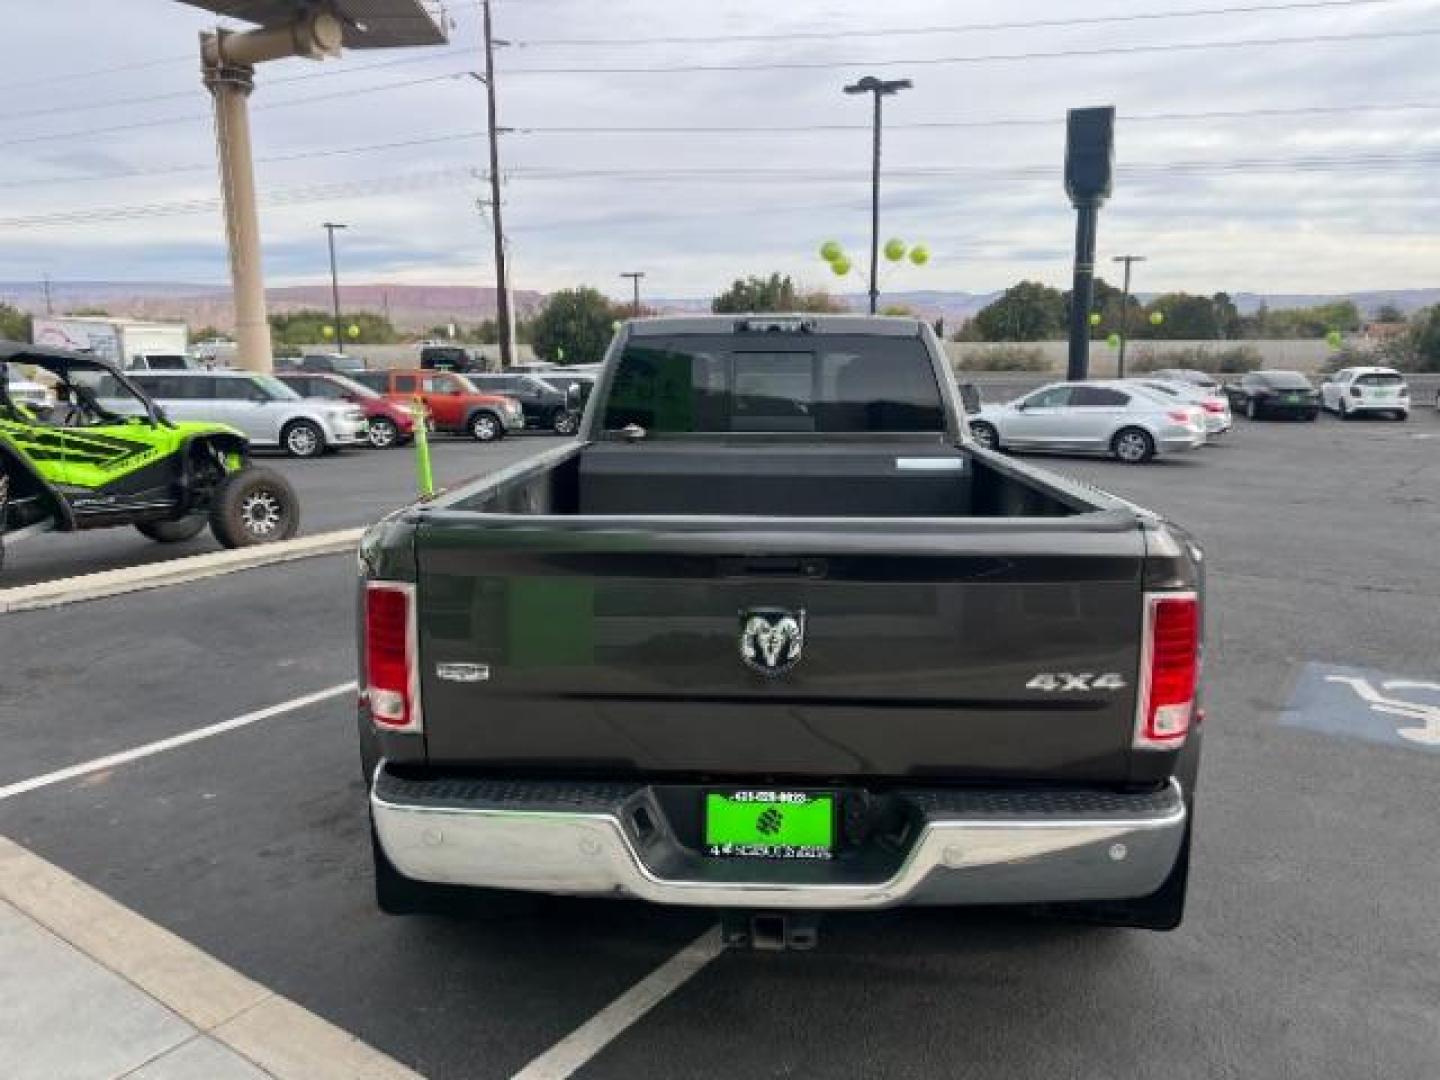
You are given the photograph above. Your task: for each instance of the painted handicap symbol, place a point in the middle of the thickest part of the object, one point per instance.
(1428, 714)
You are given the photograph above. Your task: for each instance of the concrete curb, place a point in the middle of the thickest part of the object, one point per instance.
(281, 1037)
(71, 590)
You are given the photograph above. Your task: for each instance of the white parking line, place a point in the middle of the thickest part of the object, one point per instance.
(111, 760)
(582, 1044)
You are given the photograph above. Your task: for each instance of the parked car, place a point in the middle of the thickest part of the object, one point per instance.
(33, 395)
(1195, 377)
(1261, 394)
(1218, 418)
(387, 424)
(268, 412)
(454, 402)
(451, 358)
(774, 635)
(1352, 391)
(543, 401)
(330, 363)
(1102, 417)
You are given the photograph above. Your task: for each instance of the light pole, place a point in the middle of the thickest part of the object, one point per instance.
(635, 276)
(1128, 260)
(880, 88)
(330, 227)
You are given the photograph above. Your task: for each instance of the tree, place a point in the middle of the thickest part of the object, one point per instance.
(903, 310)
(1389, 313)
(88, 313)
(820, 302)
(1187, 317)
(209, 333)
(1423, 341)
(1028, 311)
(775, 293)
(307, 327)
(573, 326)
(14, 323)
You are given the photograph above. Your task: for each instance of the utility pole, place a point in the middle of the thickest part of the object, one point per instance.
(1125, 309)
(330, 227)
(880, 88)
(49, 306)
(635, 276)
(502, 293)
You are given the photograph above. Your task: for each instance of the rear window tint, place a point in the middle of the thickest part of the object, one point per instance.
(1286, 380)
(802, 383)
(1376, 378)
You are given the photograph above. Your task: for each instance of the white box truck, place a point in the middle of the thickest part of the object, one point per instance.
(127, 343)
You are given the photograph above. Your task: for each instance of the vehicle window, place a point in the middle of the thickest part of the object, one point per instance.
(1377, 378)
(324, 388)
(345, 384)
(1098, 397)
(440, 384)
(178, 387)
(404, 384)
(1287, 380)
(1168, 391)
(737, 382)
(372, 380)
(1057, 397)
(233, 389)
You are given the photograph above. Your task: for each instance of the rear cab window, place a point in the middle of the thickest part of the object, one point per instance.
(1380, 378)
(830, 383)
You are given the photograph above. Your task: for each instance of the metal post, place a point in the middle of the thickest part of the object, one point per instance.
(330, 228)
(1125, 309)
(502, 296)
(875, 207)
(49, 306)
(1082, 294)
(635, 276)
(230, 85)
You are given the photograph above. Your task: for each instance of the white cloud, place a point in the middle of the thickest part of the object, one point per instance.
(1369, 226)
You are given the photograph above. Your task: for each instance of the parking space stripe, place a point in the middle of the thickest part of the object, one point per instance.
(582, 1044)
(109, 761)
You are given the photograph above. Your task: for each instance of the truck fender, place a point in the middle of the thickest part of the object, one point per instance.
(22, 474)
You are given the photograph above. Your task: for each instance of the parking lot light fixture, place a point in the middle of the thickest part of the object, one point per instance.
(880, 89)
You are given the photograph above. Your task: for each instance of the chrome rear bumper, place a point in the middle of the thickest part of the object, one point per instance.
(993, 847)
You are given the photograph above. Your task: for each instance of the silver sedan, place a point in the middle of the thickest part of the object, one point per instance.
(1108, 417)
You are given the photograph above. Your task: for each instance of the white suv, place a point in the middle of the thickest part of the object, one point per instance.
(1366, 389)
(264, 408)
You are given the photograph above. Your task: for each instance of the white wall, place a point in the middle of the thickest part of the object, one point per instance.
(1307, 354)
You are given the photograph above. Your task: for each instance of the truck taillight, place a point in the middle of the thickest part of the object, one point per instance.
(391, 679)
(1169, 670)
(1213, 406)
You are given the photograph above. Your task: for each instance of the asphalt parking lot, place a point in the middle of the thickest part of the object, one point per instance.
(1311, 948)
(337, 491)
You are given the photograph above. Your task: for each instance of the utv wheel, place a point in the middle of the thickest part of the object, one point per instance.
(383, 432)
(1133, 446)
(254, 506)
(303, 439)
(565, 422)
(173, 532)
(485, 427)
(985, 434)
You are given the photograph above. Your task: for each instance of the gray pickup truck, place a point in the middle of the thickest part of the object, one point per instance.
(775, 636)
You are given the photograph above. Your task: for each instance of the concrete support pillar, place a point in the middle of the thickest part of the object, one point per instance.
(230, 85)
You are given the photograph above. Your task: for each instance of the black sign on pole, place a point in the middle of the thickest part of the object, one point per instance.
(1089, 170)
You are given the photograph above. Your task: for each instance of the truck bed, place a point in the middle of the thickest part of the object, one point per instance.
(601, 591)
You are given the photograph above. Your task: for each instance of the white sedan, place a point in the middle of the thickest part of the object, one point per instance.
(1351, 391)
(1127, 421)
(1218, 418)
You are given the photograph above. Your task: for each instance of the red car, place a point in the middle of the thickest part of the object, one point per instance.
(390, 424)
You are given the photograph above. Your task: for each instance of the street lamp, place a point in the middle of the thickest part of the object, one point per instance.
(880, 88)
(1128, 260)
(635, 276)
(330, 227)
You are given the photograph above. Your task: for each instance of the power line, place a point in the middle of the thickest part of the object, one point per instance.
(1380, 163)
(984, 58)
(954, 28)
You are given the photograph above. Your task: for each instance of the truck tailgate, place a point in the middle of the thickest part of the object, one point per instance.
(994, 649)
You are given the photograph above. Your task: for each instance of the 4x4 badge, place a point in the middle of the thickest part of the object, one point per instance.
(771, 639)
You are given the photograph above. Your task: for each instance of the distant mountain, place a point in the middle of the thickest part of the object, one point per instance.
(418, 307)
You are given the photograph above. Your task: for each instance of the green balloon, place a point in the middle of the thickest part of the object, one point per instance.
(841, 266)
(1156, 318)
(831, 250)
(1094, 318)
(1113, 341)
(895, 249)
(919, 254)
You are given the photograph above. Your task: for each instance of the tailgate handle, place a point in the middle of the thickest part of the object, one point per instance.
(773, 566)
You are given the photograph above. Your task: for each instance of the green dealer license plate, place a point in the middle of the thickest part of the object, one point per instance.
(769, 825)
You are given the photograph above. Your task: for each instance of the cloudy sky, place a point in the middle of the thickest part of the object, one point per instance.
(1302, 165)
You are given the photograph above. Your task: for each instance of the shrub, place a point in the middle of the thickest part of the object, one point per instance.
(1003, 358)
(1225, 360)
